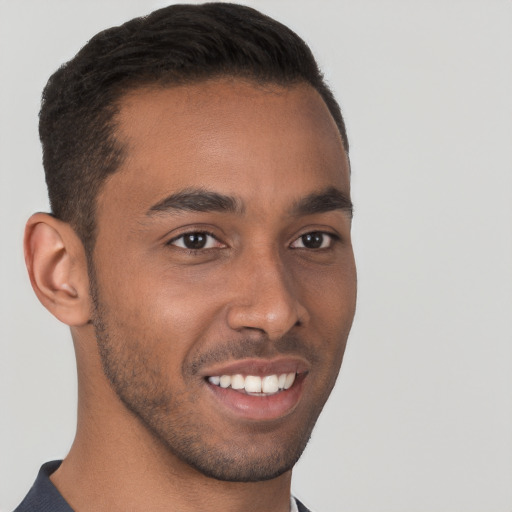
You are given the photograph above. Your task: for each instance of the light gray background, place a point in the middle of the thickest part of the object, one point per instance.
(421, 419)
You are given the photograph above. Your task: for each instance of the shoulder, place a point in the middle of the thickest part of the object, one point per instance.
(44, 496)
(301, 507)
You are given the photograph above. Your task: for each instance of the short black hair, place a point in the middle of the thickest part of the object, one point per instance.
(176, 45)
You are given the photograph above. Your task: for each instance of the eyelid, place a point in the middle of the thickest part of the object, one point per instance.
(181, 236)
(332, 236)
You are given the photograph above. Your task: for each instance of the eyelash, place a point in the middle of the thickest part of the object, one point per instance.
(331, 236)
(190, 233)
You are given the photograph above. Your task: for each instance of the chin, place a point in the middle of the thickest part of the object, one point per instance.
(253, 463)
(252, 456)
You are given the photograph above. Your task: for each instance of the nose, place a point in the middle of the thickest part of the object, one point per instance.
(265, 297)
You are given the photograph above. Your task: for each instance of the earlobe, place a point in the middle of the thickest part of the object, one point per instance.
(57, 268)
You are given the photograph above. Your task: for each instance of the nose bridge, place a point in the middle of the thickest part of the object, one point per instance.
(265, 297)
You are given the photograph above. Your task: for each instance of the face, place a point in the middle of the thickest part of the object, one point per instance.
(224, 281)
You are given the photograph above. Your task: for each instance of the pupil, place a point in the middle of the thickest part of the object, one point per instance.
(313, 240)
(195, 240)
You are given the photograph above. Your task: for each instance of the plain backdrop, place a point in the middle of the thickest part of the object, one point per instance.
(421, 417)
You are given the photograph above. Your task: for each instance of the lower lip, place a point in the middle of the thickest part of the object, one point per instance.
(262, 408)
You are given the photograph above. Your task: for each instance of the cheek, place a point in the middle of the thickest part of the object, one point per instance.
(158, 302)
(330, 294)
(330, 298)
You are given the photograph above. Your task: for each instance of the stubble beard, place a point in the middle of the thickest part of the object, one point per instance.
(168, 415)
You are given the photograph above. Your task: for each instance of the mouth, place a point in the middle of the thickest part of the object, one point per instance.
(255, 385)
(258, 390)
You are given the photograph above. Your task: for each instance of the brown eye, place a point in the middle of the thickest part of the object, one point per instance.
(195, 241)
(314, 240)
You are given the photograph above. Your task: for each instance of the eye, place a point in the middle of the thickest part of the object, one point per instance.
(314, 240)
(195, 241)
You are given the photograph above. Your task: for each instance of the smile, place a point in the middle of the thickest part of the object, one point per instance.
(256, 389)
(255, 385)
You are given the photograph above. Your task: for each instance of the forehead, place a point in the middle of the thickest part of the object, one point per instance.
(228, 135)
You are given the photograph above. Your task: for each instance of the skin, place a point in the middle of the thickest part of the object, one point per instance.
(151, 432)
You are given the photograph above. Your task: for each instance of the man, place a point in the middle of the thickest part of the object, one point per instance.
(199, 249)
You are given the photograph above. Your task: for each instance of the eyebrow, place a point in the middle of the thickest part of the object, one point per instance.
(197, 200)
(327, 200)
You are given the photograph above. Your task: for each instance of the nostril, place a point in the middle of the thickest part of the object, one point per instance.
(267, 302)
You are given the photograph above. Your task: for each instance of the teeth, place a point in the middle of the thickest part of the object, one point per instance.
(270, 384)
(267, 385)
(225, 381)
(290, 379)
(252, 384)
(237, 382)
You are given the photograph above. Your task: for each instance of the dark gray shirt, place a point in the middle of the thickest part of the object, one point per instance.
(44, 496)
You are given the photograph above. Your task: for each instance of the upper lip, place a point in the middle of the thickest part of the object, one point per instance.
(259, 367)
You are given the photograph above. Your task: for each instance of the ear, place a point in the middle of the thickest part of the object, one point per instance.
(57, 267)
